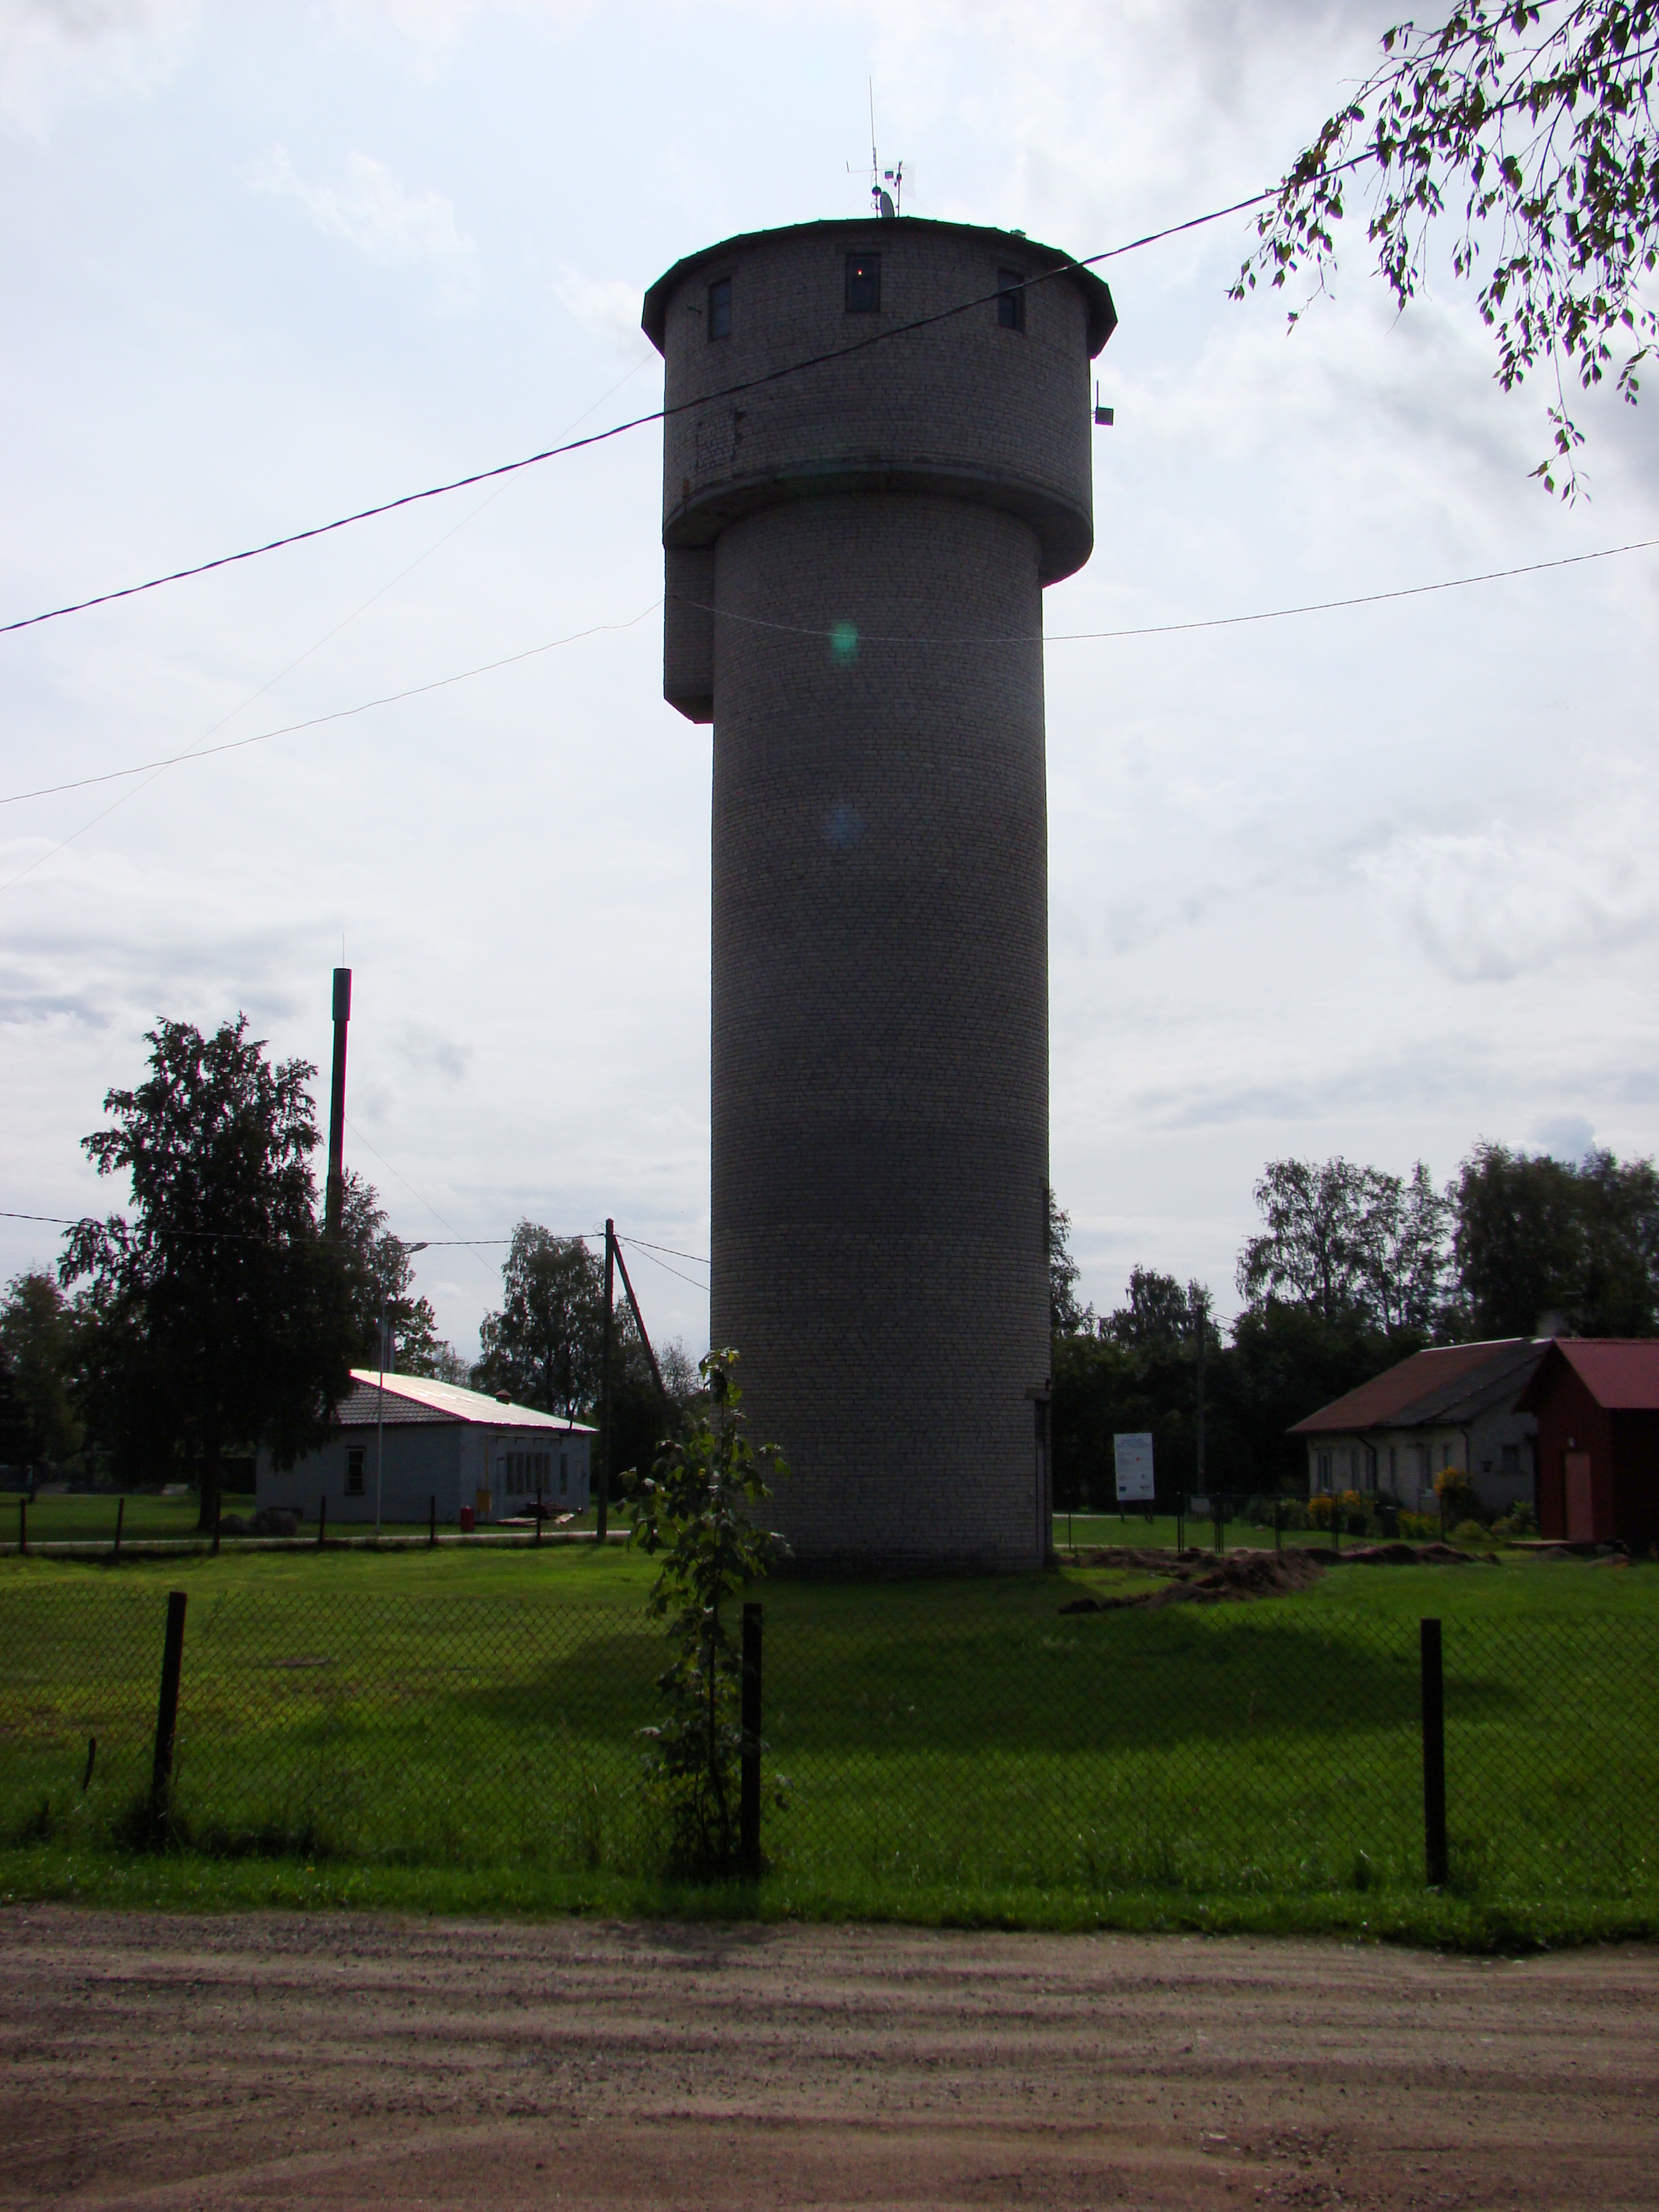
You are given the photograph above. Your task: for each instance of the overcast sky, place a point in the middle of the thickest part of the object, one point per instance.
(1377, 882)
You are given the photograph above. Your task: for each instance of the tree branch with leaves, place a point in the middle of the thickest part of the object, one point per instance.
(1527, 126)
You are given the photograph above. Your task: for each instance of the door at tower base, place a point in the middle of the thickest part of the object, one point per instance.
(855, 565)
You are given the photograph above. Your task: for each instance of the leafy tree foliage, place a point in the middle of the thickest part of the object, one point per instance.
(1537, 117)
(1351, 1244)
(216, 1318)
(546, 1345)
(694, 1510)
(1536, 1234)
(383, 1276)
(1159, 1314)
(1065, 1317)
(37, 1334)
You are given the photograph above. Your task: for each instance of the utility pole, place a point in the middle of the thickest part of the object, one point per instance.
(603, 1519)
(334, 1194)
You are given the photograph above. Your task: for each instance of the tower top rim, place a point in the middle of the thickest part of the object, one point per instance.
(1097, 298)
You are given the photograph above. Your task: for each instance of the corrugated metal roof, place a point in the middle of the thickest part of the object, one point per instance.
(1450, 1384)
(414, 1398)
(1620, 1372)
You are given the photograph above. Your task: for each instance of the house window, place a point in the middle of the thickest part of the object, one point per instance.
(354, 1471)
(863, 283)
(719, 308)
(1393, 1465)
(1511, 1459)
(1370, 1468)
(1011, 299)
(1322, 1460)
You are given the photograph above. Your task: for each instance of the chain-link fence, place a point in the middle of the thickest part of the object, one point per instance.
(1215, 1750)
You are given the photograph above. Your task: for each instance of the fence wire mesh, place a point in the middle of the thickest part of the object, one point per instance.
(1211, 1751)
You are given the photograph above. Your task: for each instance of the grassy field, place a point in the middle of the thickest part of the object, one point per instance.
(461, 1728)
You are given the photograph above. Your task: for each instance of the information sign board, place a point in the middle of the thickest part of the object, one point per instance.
(1132, 1452)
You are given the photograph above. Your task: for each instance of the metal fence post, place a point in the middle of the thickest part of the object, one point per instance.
(120, 1516)
(1181, 1526)
(167, 1711)
(1434, 1755)
(749, 1793)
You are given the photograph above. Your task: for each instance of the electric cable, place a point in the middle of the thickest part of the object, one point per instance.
(638, 421)
(853, 635)
(863, 637)
(666, 1269)
(695, 1258)
(337, 714)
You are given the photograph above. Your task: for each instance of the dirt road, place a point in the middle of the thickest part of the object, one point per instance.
(288, 2060)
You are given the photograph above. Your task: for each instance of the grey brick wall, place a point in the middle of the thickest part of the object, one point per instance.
(881, 530)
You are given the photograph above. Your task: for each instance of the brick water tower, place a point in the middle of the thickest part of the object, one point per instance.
(856, 553)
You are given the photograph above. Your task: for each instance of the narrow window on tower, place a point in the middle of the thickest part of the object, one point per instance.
(1011, 299)
(719, 308)
(863, 283)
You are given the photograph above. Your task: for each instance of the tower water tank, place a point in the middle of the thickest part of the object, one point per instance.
(877, 454)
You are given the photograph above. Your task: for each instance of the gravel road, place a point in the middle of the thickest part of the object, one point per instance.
(290, 2060)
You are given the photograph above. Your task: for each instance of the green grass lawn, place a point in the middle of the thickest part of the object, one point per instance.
(461, 1728)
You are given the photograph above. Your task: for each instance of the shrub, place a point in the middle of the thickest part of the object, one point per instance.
(1319, 1510)
(691, 1508)
(1418, 1528)
(1455, 1491)
(1519, 1522)
(1470, 1532)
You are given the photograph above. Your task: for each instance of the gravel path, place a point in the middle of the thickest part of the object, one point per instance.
(291, 2060)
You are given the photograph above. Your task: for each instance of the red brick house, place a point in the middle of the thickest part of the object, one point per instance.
(1596, 1401)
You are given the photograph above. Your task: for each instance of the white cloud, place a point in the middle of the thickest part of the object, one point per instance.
(59, 54)
(605, 306)
(375, 212)
(1489, 905)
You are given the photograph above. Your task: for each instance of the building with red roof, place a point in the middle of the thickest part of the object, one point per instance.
(1596, 1403)
(1452, 1407)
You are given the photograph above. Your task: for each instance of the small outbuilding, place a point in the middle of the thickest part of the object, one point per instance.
(399, 1442)
(1596, 1403)
(1454, 1405)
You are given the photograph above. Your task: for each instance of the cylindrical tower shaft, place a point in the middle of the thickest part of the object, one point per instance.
(855, 564)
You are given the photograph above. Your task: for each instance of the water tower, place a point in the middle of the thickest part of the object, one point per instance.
(856, 553)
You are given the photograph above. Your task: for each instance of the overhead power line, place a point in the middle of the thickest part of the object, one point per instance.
(866, 637)
(1162, 629)
(635, 423)
(337, 714)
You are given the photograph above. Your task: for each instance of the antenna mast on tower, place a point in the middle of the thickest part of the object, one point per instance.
(886, 185)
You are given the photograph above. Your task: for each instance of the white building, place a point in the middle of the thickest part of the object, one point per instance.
(1453, 1407)
(409, 1442)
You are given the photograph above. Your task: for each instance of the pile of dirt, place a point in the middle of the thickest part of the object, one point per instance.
(1412, 1555)
(1235, 1577)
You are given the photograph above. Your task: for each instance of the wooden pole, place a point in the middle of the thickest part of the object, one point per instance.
(1435, 1853)
(749, 1790)
(603, 1516)
(166, 1711)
